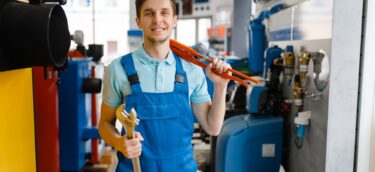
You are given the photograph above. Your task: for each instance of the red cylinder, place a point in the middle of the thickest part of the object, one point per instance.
(46, 119)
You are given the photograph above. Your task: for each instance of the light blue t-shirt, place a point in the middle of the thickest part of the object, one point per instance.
(155, 77)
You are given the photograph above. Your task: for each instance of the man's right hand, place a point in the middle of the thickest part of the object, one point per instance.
(130, 148)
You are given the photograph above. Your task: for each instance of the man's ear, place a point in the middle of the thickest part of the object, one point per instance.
(137, 20)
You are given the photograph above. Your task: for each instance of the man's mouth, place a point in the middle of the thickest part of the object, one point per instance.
(157, 29)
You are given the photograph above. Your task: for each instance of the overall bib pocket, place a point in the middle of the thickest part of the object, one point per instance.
(162, 126)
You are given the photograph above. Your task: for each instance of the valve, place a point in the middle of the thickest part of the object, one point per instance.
(289, 61)
(304, 61)
(298, 92)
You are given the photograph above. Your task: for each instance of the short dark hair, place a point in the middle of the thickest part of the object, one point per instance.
(139, 3)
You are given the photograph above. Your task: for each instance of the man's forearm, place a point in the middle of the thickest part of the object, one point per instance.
(217, 110)
(109, 133)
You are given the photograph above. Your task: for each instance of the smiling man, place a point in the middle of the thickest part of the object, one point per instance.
(166, 92)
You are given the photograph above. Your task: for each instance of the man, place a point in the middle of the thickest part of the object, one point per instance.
(166, 92)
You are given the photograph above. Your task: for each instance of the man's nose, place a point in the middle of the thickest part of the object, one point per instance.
(157, 18)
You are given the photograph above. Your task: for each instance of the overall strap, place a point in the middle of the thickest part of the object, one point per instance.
(128, 63)
(181, 83)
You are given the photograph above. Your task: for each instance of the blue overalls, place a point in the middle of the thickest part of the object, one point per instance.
(166, 124)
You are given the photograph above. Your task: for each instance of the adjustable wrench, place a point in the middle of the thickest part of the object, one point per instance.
(129, 121)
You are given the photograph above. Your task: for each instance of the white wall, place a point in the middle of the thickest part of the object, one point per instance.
(366, 135)
(344, 79)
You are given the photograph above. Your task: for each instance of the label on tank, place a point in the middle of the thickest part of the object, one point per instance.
(268, 150)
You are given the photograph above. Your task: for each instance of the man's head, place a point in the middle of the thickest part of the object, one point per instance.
(139, 3)
(156, 18)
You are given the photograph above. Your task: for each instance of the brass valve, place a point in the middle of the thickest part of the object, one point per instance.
(304, 61)
(289, 63)
(298, 92)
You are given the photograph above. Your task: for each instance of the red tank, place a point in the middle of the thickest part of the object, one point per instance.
(46, 119)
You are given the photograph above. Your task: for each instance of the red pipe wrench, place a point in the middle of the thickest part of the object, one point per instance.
(192, 56)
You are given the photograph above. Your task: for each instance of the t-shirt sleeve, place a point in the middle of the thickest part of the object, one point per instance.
(112, 95)
(200, 93)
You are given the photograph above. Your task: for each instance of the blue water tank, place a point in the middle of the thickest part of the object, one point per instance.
(74, 115)
(249, 143)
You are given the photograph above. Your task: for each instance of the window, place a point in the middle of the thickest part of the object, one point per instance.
(186, 31)
(192, 31)
(203, 25)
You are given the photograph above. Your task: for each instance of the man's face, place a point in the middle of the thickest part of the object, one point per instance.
(156, 20)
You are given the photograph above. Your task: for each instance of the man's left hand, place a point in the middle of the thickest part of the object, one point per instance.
(221, 67)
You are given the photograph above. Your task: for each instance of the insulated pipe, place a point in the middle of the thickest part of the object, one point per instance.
(33, 35)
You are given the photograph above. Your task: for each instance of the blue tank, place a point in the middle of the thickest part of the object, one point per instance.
(257, 46)
(249, 143)
(74, 115)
